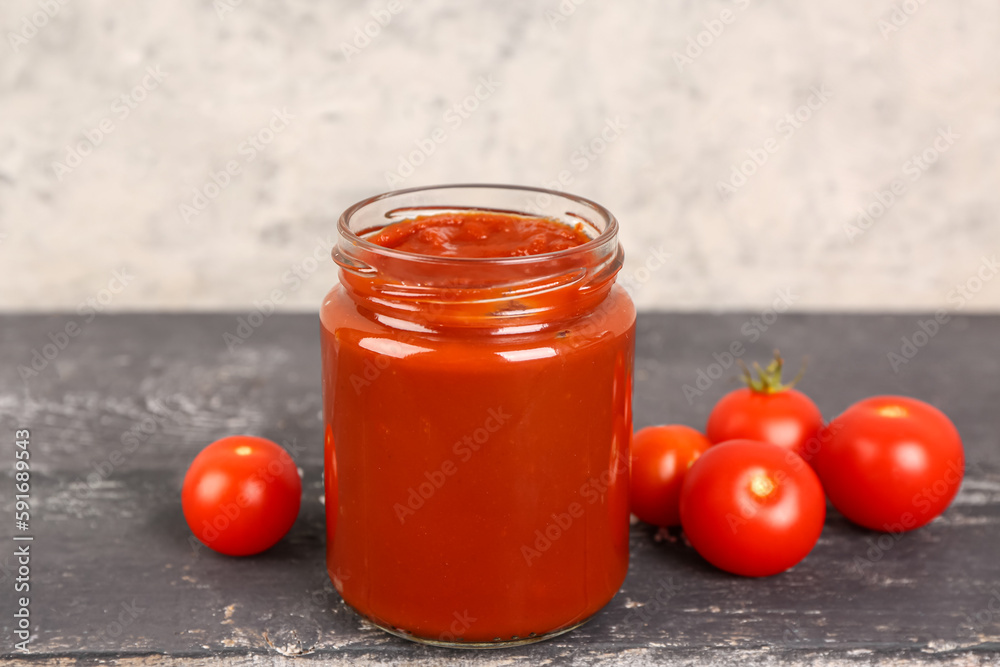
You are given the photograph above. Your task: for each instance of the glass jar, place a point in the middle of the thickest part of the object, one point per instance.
(477, 418)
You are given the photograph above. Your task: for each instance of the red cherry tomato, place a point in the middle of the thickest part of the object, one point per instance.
(660, 457)
(752, 508)
(890, 463)
(241, 495)
(767, 411)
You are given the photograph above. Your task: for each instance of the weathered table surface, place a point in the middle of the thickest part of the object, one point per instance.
(119, 413)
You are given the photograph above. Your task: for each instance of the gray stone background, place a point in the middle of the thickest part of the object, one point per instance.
(810, 112)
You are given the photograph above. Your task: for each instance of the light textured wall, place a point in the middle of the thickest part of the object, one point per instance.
(885, 81)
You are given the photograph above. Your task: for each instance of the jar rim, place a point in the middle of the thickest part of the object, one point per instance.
(605, 235)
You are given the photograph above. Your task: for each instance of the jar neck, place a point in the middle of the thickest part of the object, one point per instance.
(428, 292)
(481, 294)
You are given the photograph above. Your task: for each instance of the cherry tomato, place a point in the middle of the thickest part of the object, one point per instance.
(768, 411)
(752, 508)
(660, 457)
(241, 495)
(890, 463)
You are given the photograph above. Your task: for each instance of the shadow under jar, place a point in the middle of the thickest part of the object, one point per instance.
(477, 418)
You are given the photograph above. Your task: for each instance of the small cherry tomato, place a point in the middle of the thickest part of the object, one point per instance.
(890, 463)
(752, 508)
(768, 411)
(660, 457)
(241, 495)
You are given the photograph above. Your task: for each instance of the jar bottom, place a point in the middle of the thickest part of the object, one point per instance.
(499, 642)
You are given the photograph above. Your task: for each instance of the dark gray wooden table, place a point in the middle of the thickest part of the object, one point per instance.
(118, 414)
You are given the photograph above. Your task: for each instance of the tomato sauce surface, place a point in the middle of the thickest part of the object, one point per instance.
(480, 234)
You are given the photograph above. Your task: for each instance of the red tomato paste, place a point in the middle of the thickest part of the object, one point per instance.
(477, 440)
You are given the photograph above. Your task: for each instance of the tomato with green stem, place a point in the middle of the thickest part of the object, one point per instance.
(767, 410)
